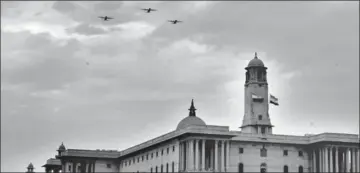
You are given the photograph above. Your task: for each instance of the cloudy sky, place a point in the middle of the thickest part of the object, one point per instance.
(142, 71)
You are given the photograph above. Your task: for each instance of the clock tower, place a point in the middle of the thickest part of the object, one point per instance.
(256, 118)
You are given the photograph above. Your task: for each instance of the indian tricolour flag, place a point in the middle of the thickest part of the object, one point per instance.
(274, 100)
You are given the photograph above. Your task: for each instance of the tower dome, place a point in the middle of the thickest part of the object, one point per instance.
(256, 62)
(191, 120)
(62, 147)
(31, 166)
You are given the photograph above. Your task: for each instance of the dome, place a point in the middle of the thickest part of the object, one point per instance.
(31, 166)
(255, 62)
(62, 147)
(190, 121)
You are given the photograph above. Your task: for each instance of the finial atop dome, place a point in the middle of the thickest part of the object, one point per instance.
(256, 55)
(192, 109)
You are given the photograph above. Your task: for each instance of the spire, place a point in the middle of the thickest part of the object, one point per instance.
(192, 109)
(256, 55)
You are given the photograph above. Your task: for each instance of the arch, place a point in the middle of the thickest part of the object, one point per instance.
(167, 167)
(156, 169)
(151, 170)
(286, 169)
(173, 167)
(162, 168)
(263, 168)
(241, 168)
(301, 169)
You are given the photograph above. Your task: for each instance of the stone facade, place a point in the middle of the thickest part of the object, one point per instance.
(197, 147)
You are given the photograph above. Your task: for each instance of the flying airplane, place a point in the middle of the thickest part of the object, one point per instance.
(105, 18)
(174, 21)
(148, 10)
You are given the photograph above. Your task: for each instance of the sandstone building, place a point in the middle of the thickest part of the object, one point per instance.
(195, 146)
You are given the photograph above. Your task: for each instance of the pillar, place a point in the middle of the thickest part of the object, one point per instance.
(197, 153)
(353, 159)
(314, 161)
(331, 160)
(203, 155)
(358, 160)
(180, 156)
(326, 160)
(223, 156)
(191, 155)
(216, 156)
(74, 164)
(211, 159)
(320, 160)
(337, 159)
(227, 156)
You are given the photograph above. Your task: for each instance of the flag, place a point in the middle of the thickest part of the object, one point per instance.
(274, 100)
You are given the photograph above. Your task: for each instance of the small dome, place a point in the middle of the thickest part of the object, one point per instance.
(62, 147)
(31, 166)
(190, 121)
(255, 62)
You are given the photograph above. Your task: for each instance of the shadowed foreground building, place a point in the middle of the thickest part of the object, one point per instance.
(197, 147)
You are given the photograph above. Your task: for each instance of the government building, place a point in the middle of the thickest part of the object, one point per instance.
(195, 146)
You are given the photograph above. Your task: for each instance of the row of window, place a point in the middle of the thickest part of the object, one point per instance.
(128, 162)
(162, 168)
(263, 152)
(263, 168)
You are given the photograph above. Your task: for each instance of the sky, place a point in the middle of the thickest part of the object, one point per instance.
(67, 76)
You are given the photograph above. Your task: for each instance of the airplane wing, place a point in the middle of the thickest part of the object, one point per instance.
(153, 10)
(144, 9)
(170, 21)
(110, 18)
(101, 17)
(179, 21)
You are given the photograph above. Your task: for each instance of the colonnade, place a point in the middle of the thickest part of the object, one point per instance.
(85, 166)
(335, 159)
(204, 155)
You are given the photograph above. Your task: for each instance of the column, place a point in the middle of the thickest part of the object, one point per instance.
(320, 160)
(353, 159)
(337, 159)
(211, 159)
(331, 160)
(197, 153)
(74, 164)
(216, 156)
(347, 159)
(180, 156)
(222, 155)
(227, 156)
(326, 160)
(191, 155)
(358, 160)
(94, 163)
(314, 162)
(203, 155)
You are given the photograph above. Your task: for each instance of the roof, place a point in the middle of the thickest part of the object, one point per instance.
(52, 162)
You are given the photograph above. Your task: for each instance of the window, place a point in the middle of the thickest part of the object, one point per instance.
(285, 152)
(263, 168)
(260, 117)
(79, 168)
(262, 130)
(162, 152)
(167, 150)
(162, 168)
(241, 168)
(138, 159)
(69, 168)
(173, 167)
(174, 148)
(301, 169)
(134, 160)
(142, 158)
(300, 153)
(286, 169)
(150, 170)
(167, 167)
(147, 156)
(157, 154)
(156, 170)
(152, 155)
(108, 165)
(263, 152)
(241, 150)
